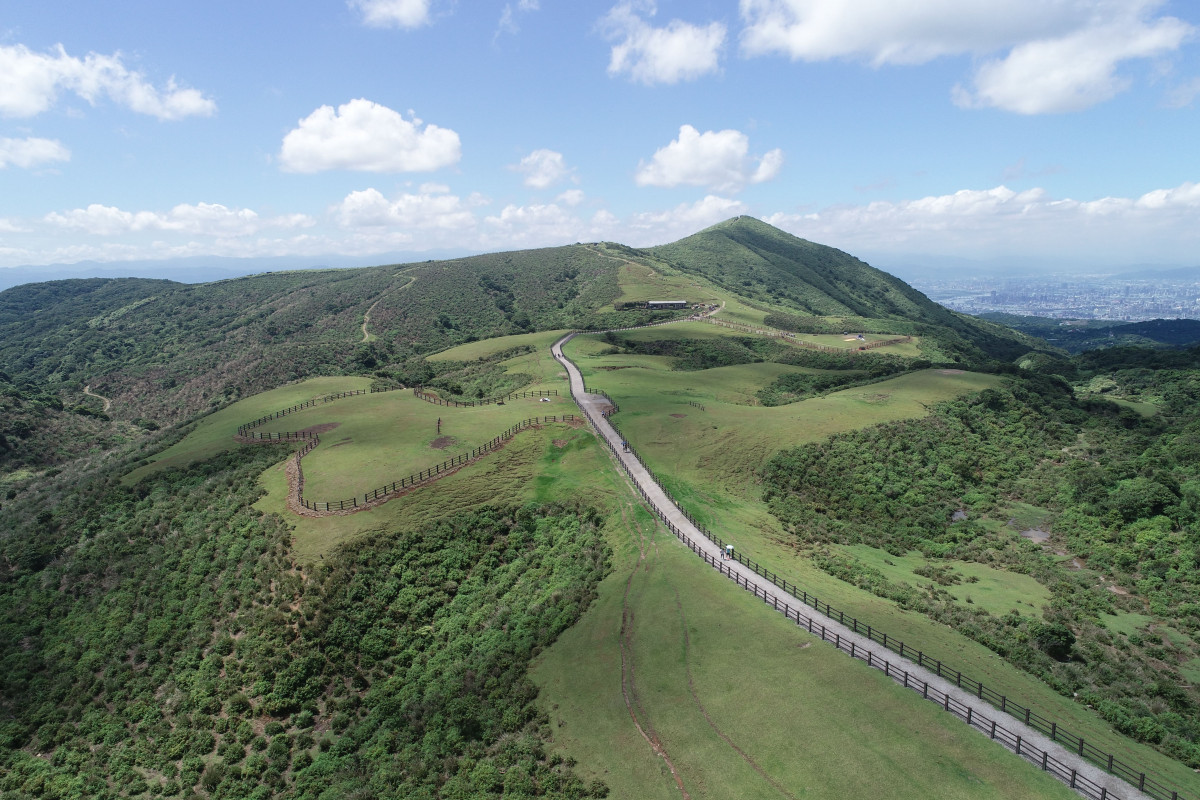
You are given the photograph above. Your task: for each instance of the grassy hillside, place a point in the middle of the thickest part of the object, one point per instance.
(173, 627)
(766, 265)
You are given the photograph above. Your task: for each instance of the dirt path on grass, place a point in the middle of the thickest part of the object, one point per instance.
(625, 638)
(687, 661)
(367, 316)
(915, 676)
(107, 403)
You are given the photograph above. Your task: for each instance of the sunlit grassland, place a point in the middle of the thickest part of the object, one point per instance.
(815, 723)
(709, 459)
(995, 591)
(214, 433)
(386, 436)
(1143, 408)
(1127, 622)
(553, 463)
(727, 443)
(473, 351)
(640, 282)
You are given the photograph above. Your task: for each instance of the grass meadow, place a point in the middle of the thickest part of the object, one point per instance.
(214, 433)
(743, 703)
(709, 458)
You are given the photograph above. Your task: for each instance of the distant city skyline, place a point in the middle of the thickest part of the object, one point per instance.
(1066, 298)
(999, 131)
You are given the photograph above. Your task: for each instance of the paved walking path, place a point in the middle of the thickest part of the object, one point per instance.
(1102, 783)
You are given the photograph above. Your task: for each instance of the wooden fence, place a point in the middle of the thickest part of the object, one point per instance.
(311, 440)
(448, 465)
(1131, 774)
(430, 397)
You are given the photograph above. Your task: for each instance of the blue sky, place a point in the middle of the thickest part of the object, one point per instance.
(1034, 131)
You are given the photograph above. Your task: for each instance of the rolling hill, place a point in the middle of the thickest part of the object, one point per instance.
(175, 626)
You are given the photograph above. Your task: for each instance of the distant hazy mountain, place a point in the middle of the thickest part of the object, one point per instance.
(200, 269)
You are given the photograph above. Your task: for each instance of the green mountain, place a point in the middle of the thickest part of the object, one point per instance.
(762, 263)
(173, 628)
(163, 351)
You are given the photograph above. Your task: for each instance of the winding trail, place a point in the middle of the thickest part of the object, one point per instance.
(1082, 772)
(107, 403)
(367, 315)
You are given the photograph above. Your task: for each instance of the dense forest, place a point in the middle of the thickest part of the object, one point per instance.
(1125, 495)
(159, 638)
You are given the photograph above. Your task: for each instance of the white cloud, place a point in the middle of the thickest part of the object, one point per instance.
(659, 227)
(508, 16)
(30, 83)
(393, 13)
(571, 197)
(31, 152)
(650, 55)
(1072, 72)
(1158, 225)
(543, 168)
(202, 219)
(365, 136)
(716, 159)
(1058, 55)
(1183, 95)
(535, 225)
(428, 210)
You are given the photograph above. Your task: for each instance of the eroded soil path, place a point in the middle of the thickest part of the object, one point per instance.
(107, 403)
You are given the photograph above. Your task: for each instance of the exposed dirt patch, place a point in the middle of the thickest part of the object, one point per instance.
(324, 427)
(678, 416)
(560, 442)
(347, 440)
(613, 369)
(442, 442)
(950, 371)
(1035, 535)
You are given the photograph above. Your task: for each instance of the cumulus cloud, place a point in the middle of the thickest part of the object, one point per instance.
(202, 219)
(679, 52)
(716, 159)
(1159, 224)
(1072, 72)
(543, 168)
(31, 82)
(1038, 56)
(571, 197)
(31, 152)
(434, 208)
(686, 218)
(365, 136)
(393, 13)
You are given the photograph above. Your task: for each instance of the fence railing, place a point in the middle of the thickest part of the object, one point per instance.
(1131, 774)
(430, 397)
(422, 476)
(312, 439)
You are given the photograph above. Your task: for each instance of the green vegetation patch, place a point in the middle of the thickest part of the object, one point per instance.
(1127, 623)
(474, 351)
(173, 648)
(382, 437)
(726, 691)
(993, 590)
(214, 433)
